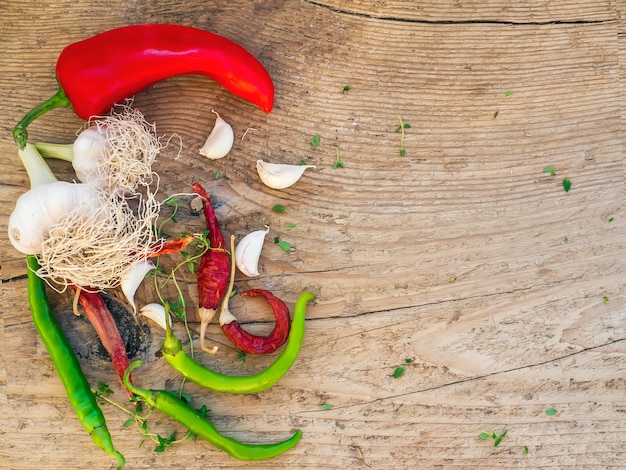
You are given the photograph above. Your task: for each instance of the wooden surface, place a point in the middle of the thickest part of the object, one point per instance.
(506, 292)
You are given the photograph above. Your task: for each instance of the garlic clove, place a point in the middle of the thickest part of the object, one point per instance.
(156, 313)
(220, 140)
(248, 252)
(133, 277)
(278, 175)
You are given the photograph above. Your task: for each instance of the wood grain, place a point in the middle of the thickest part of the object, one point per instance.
(462, 255)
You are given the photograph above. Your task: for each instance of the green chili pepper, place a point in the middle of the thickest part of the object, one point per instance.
(67, 365)
(199, 425)
(174, 353)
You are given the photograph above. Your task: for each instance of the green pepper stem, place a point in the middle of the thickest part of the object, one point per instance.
(59, 99)
(145, 395)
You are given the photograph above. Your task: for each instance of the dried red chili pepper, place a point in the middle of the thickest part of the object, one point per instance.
(256, 344)
(213, 270)
(100, 317)
(170, 247)
(105, 69)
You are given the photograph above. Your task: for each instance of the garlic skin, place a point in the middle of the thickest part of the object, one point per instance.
(43, 206)
(220, 140)
(133, 277)
(248, 252)
(278, 175)
(156, 313)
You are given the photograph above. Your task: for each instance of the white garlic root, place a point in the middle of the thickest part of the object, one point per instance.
(220, 140)
(248, 252)
(278, 175)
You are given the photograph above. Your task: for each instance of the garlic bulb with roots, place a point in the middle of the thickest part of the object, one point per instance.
(43, 206)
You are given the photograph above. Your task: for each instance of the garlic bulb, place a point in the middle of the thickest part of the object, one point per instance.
(220, 140)
(43, 206)
(88, 150)
(133, 277)
(156, 313)
(278, 175)
(248, 252)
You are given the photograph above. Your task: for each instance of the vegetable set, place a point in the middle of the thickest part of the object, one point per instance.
(101, 232)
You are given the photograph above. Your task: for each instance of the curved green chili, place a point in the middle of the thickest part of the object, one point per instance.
(66, 363)
(174, 353)
(196, 422)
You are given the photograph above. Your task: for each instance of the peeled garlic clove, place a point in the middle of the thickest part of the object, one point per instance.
(156, 313)
(278, 175)
(220, 140)
(133, 277)
(248, 252)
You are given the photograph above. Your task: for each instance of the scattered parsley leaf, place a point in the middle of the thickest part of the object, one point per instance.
(408, 360)
(550, 169)
(485, 435)
(398, 372)
(302, 163)
(285, 246)
(346, 89)
(551, 411)
(495, 115)
(290, 225)
(128, 422)
(605, 300)
(104, 388)
(498, 439)
(338, 163)
(279, 208)
(218, 175)
(452, 278)
(242, 355)
(525, 449)
(315, 140)
(567, 184)
(611, 219)
(327, 406)
(509, 93)
(566, 240)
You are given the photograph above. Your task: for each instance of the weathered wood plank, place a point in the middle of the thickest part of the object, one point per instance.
(462, 255)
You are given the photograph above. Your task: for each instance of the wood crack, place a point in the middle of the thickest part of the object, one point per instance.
(456, 22)
(478, 378)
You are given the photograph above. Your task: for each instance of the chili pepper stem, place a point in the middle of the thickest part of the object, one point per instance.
(225, 315)
(59, 99)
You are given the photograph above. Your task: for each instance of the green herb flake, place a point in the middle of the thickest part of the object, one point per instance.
(398, 372)
(218, 175)
(104, 388)
(279, 208)
(526, 449)
(346, 89)
(565, 240)
(338, 163)
(550, 169)
(509, 93)
(605, 300)
(452, 278)
(485, 435)
(290, 225)
(326, 406)
(551, 411)
(242, 356)
(567, 184)
(408, 360)
(495, 115)
(498, 439)
(128, 422)
(285, 246)
(611, 219)
(315, 140)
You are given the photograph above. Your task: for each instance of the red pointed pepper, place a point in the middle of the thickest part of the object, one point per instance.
(98, 72)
